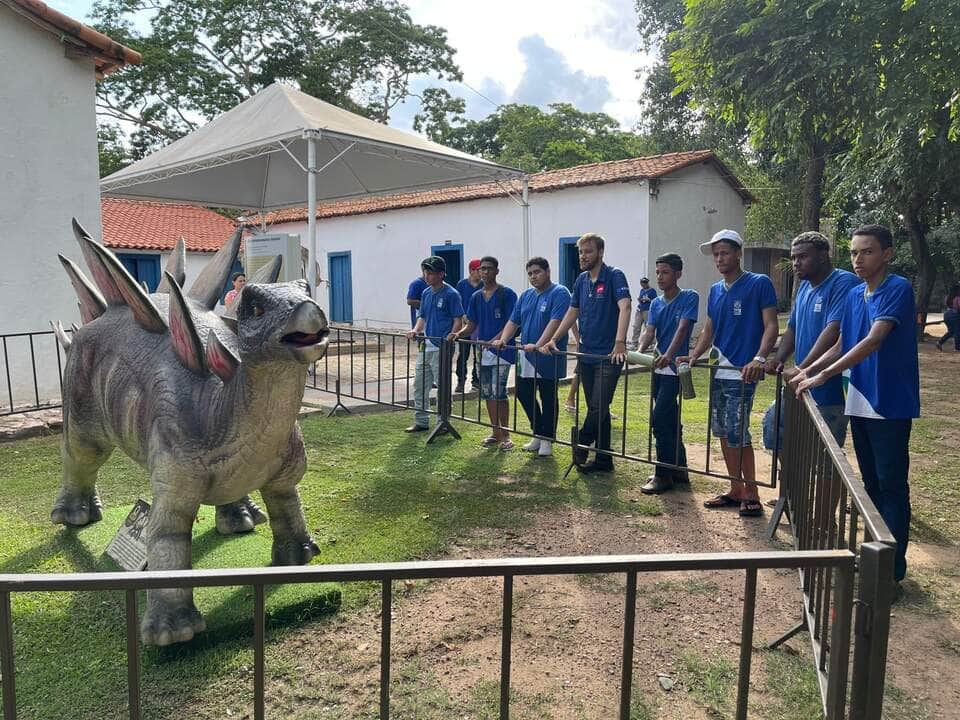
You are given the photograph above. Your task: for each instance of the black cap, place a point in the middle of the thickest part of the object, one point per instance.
(434, 264)
(644, 280)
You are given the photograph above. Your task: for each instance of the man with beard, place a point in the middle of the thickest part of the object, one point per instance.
(600, 302)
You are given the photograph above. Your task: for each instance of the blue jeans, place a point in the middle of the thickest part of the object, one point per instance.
(832, 415)
(883, 453)
(493, 381)
(732, 404)
(667, 430)
(599, 382)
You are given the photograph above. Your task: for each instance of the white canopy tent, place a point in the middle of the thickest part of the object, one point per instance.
(255, 156)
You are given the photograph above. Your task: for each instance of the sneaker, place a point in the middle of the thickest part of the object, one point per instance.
(533, 445)
(656, 485)
(416, 429)
(546, 449)
(459, 387)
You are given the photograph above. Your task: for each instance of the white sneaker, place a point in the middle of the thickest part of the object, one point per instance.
(533, 445)
(546, 449)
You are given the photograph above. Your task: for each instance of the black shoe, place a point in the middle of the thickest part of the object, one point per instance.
(458, 388)
(940, 346)
(416, 429)
(656, 485)
(580, 456)
(594, 467)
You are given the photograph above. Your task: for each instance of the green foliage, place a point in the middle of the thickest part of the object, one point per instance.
(710, 680)
(111, 150)
(201, 57)
(526, 137)
(791, 685)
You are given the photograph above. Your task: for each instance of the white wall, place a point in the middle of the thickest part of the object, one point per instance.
(385, 260)
(691, 205)
(49, 173)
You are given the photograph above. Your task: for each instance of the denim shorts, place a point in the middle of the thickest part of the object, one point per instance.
(732, 402)
(832, 415)
(493, 381)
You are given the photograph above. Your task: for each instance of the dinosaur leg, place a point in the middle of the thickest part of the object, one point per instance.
(292, 544)
(78, 504)
(239, 517)
(170, 615)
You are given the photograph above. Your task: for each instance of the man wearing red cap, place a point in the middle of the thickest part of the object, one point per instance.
(467, 287)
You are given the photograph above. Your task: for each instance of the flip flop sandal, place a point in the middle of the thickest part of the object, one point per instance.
(751, 508)
(489, 441)
(721, 501)
(506, 445)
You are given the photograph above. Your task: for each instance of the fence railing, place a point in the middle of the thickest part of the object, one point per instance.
(829, 508)
(380, 367)
(33, 372)
(838, 562)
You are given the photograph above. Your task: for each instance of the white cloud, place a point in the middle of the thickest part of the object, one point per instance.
(550, 79)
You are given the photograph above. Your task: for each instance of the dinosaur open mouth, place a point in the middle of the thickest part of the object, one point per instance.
(301, 339)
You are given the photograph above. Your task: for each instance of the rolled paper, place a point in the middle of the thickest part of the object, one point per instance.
(638, 358)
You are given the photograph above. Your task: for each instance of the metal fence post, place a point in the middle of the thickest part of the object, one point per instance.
(871, 627)
(6, 658)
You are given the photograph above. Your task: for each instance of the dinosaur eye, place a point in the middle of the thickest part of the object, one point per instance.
(257, 310)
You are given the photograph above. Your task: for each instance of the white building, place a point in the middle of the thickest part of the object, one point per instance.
(371, 248)
(48, 172)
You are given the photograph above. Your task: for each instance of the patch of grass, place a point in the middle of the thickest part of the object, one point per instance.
(642, 707)
(711, 680)
(792, 690)
(897, 704)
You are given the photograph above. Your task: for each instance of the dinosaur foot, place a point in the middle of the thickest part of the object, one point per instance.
(164, 623)
(239, 517)
(76, 508)
(294, 551)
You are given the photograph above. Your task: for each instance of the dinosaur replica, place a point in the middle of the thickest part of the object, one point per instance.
(207, 404)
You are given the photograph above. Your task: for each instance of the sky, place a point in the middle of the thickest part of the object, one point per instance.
(537, 52)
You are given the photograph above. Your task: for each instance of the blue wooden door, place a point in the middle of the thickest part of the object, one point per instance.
(453, 256)
(143, 268)
(341, 287)
(569, 262)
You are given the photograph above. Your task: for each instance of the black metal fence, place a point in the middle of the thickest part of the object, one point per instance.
(839, 562)
(33, 372)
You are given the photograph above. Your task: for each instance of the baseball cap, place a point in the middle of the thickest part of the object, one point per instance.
(475, 264)
(643, 279)
(434, 264)
(728, 235)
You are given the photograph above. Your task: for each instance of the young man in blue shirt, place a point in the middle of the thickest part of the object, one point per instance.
(672, 317)
(600, 303)
(439, 318)
(537, 315)
(814, 324)
(742, 326)
(414, 293)
(489, 311)
(644, 300)
(467, 287)
(878, 344)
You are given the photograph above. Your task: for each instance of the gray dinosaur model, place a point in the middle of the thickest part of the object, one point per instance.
(207, 404)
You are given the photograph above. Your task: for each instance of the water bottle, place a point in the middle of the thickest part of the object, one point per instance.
(686, 381)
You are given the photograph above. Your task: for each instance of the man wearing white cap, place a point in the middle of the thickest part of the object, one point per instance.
(742, 325)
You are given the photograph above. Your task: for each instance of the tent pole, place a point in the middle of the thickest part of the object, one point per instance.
(525, 217)
(311, 136)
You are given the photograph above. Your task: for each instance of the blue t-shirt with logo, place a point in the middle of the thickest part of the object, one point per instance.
(491, 316)
(665, 316)
(415, 292)
(737, 316)
(647, 294)
(814, 309)
(439, 308)
(885, 384)
(533, 313)
(599, 314)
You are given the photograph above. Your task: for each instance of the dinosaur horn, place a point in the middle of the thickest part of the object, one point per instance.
(61, 335)
(208, 286)
(132, 295)
(92, 304)
(101, 274)
(267, 273)
(183, 331)
(175, 266)
(74, 327)
(220, 359)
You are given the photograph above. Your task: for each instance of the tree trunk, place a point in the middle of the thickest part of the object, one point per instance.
(813, 188)
(927, 270)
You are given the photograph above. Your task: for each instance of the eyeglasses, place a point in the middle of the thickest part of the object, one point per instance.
(488, 268)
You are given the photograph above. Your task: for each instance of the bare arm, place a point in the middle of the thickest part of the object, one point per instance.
(683, 329)
(703, 343)
(467, 329)
(413, 303)
(457, 326)
(863, 349)
(509, 332)
(417, 329)
(787, 346)
(826, 340)
(647, 337)
(619, 354)
(569, 318)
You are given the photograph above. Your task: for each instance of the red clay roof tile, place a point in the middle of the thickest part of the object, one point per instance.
(139, 225)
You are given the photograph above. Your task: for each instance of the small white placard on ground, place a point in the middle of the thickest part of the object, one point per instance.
(129, 546)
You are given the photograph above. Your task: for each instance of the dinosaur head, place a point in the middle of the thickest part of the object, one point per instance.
(280, 322)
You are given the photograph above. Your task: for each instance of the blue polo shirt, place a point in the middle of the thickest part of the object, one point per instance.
(467, 290)
(886, 384)
(439, 308)
(665, 316)
(491, 316)
(597, 304)
(814, 309)
(533, 313)
(737, 316)
(415, 292)
(647, 294)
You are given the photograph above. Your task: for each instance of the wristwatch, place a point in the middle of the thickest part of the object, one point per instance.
(760, 359)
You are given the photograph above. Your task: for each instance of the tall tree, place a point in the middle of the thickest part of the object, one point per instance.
(201, 57)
